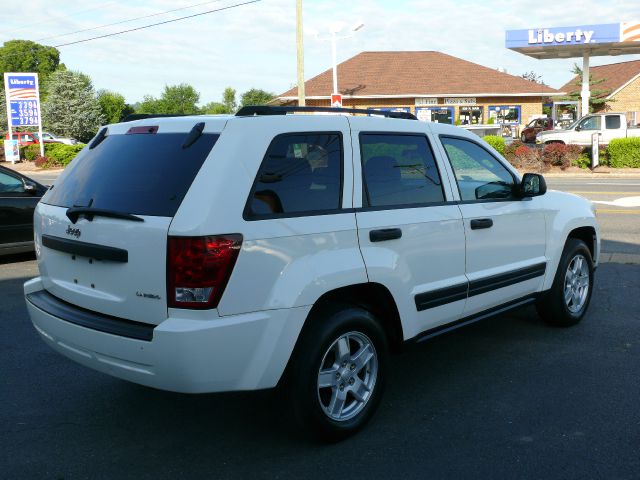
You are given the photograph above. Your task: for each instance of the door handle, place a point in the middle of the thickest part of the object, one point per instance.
(385, 234)
(479, 223)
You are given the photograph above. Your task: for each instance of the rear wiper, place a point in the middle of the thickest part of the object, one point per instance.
(74, 212)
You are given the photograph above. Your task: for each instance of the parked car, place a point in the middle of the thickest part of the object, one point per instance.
(607, 125)
(50, 137)
(215, 253)
(534, 127)
(19, 196)
(24, 138)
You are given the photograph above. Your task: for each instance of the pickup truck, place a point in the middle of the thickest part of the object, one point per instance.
(607, 125)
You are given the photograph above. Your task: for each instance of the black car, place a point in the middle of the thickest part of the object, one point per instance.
(19, 196)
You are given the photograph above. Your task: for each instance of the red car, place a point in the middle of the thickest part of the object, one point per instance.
(534, 127)
(24, 138)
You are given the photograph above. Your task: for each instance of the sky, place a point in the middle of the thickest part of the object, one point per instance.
(253, 45)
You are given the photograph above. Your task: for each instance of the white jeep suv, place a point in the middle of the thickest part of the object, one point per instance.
(215, 253)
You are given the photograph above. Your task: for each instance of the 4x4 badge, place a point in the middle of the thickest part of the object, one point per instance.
(73, 231)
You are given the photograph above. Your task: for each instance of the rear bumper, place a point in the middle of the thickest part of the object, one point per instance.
(240, 352)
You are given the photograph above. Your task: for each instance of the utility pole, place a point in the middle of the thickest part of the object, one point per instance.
(300, 45)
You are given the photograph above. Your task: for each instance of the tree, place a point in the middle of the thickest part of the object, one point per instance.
(229, 99)
(149, 104)
(113, 106)
(215, 108)
(3, 112)
(28, 56)
(71, 108)
(180, 99)
(533, 77)
(598, 96)
(255, 96)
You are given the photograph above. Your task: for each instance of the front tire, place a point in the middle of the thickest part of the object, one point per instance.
(567, 301)
(523, 138)
(338, 372)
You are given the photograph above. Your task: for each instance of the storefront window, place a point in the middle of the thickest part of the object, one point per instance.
(470, 115)
(509, 114)
(435, 114)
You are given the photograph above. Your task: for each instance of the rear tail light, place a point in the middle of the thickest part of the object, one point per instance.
(198, 269)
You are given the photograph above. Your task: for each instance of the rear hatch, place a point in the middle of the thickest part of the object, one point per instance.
(101, 231)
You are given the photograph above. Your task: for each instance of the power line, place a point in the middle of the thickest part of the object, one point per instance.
(57, 18)
(159, 23)
(127, 21)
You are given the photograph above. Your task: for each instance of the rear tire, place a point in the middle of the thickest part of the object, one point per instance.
(337, 374)
(567, 301)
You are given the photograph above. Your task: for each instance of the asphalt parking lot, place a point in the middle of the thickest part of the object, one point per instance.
(505, 398)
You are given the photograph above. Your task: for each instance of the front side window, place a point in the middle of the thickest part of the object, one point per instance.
(590, 123)
(10, 184)
(299, 173)
(479, 175)
(399, 170)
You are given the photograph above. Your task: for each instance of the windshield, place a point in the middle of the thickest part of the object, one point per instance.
(572, 125)
(144, 174)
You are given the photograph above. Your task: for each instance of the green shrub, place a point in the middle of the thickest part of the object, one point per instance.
(624, 152)
(491, 121)
(30, 152)
(60, 155)
(496, 142)
(583, 161)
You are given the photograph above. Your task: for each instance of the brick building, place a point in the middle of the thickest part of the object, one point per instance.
(432, 85)
(621, 87)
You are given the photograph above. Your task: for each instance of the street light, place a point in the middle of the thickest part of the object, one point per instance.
(335, 29)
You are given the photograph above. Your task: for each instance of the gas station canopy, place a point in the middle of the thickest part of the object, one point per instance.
(579, 41)
(567, 42)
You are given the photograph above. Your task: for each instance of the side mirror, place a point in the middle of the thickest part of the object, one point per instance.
(532, 185)
(30, 187)
(578, 128)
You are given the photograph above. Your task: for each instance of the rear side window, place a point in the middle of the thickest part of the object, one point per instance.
(399, 169)
(144, 174)
(612, 122)
(301, 173)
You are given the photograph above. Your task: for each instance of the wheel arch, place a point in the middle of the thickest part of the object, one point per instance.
(588, 234)
(374, 297)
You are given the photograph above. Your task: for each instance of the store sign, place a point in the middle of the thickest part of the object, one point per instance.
(426, 101)
(336, 100)
(460, 101)
(23, 99)
(556, 36)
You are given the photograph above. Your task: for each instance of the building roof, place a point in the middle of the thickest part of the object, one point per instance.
(615, 75)
(417, 74)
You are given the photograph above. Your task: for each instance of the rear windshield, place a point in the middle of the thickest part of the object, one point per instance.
(144, 174)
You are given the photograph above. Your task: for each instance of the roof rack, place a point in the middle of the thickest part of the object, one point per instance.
(250, 110)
